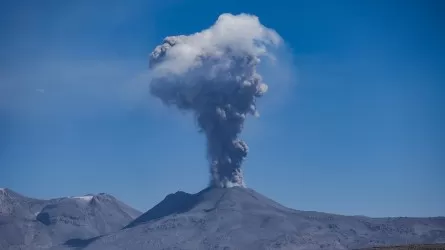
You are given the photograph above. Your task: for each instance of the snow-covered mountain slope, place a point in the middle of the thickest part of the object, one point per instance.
(32, 223)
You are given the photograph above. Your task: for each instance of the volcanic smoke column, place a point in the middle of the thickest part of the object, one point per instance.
(213, 74)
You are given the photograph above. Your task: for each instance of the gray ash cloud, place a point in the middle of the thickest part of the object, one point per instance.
(213, 73)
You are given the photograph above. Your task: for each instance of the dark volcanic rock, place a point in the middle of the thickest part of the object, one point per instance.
(239, 218)
(27, 223)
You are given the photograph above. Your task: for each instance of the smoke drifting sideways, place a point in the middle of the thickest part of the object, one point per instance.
(213, 73)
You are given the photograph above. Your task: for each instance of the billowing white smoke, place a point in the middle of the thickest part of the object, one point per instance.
(213, 74)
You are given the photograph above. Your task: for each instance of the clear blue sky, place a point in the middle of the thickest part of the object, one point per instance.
(359, 130)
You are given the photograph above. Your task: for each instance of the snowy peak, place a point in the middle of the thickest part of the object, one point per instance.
(84, 198)
(90, 198)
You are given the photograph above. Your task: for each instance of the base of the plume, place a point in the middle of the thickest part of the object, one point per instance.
(226, 184)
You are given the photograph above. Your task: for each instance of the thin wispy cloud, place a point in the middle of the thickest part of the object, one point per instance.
(70, 85)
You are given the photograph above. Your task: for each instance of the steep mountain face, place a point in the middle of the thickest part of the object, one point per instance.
(16, 205)
(239, 218)
(32, 223)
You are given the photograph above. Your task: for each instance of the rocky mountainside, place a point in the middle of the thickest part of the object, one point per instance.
(33, 223)
(239, 218)
(16, 205)
(215, 218)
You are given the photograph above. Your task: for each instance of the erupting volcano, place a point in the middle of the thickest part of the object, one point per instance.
(213, 73)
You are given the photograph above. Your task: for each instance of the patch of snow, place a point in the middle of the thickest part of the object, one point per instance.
(84, 198)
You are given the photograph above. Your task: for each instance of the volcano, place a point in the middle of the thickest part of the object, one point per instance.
(241, 218)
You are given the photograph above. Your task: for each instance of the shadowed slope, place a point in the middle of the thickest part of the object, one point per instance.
(176, 203)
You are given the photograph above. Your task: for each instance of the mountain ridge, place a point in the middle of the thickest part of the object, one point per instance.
(241, 218)
(37, 223)
(214, 218)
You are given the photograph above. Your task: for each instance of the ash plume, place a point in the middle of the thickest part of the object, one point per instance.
(213, 73)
